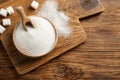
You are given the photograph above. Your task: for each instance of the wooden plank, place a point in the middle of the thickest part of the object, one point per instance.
(74, 65)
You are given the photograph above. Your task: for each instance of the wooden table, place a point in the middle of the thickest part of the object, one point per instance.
(97, 59)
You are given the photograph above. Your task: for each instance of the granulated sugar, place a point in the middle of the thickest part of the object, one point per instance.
(59, 19)
(36, 41)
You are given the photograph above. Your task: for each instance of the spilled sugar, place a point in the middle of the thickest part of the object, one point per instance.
(36, 41)
(59, 19)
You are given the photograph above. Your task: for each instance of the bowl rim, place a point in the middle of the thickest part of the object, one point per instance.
(24, 52)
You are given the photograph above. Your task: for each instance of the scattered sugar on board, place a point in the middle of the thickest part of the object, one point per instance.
(34, 4)
(2, 29)
(10, 10)
(37, 41)
(3, 12)
(6, 22)
(59, 19)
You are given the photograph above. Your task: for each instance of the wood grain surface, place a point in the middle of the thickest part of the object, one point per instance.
(97, 59)
(3, 1)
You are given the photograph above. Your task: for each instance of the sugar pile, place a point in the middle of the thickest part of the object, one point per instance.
(36, 41)
(59, 19)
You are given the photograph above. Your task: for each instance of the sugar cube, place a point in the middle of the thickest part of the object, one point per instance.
(2, 29)
(3, 12)
(34, 4)
(6, 22)
(10, 10)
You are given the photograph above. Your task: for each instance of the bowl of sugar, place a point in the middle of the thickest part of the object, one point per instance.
(37, 41)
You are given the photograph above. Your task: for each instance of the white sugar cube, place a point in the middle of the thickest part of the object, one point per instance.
(10, 10)
(6, 22)
(2, 29)
(34, 4)
(3, 12)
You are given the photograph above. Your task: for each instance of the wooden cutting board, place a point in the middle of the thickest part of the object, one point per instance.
(24, 64)
(77, 8)
(81, 8)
